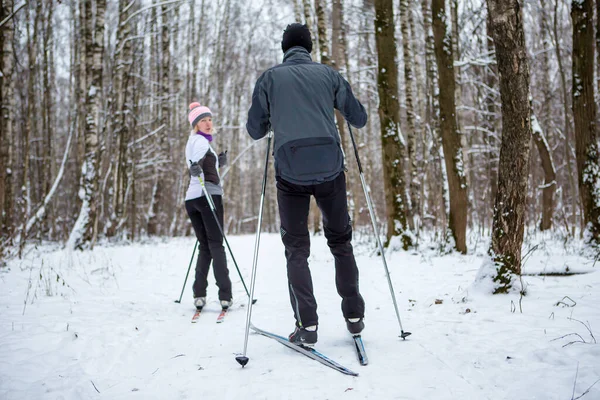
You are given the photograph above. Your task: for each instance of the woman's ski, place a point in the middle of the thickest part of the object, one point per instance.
(196, 316)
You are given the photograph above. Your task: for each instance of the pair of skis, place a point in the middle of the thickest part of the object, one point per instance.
(220, 318)
(320, 357)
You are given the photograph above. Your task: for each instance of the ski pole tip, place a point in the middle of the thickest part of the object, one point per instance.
(254, 301)
(177, 301)
(404, 335)
(242, 360)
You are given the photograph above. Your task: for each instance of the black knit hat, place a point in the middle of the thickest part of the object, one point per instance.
(296, 35)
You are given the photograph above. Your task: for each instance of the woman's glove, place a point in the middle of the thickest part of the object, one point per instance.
(223, 159)
(195, 169)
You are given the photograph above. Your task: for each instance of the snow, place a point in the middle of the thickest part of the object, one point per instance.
(102, 324)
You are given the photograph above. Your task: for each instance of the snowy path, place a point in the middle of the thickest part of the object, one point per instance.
(113, 331)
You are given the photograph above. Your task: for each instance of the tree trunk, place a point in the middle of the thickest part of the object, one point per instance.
(584, 111)
(511, 198)
(122, 91)
(7, 104)
(453, 157)
(440, 200)
(158, 217)
(549, 186)
(322, 29)
(392, 144)
(411, 134)
(598, 45)
(490, 122)
(567, 122)
(48, 131)
(338, 62)
(310, 24)
(85, 231)
(298, 11)
(30, 118)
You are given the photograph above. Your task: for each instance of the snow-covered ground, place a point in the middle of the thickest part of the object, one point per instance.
(103, 324)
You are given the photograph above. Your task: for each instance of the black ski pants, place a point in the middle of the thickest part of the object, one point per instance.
(210, 246)
(294, 203)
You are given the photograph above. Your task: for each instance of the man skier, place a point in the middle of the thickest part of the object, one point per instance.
(297, 99)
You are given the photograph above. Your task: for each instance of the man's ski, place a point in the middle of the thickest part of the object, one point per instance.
(308, 352)
(361, 353)
(196, 316)
(221, 316)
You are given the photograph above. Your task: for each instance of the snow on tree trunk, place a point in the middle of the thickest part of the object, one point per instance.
(584, 111)
(84, 233)
(501, 271)
(453, 154)
(392, 145)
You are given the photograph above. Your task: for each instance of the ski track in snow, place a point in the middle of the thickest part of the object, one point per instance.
(113, 331)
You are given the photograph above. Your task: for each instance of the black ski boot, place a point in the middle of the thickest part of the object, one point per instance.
(304, 336)
(355, 325)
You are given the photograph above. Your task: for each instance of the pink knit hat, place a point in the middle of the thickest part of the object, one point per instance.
(197, 112)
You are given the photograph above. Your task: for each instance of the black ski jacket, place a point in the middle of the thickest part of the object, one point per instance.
(297, 99)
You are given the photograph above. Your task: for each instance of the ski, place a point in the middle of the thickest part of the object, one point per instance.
(307, 351)
(221, 316)
(361, 353)
(196, 316)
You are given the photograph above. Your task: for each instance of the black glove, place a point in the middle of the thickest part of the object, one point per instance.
(223, 159)
(195, 169)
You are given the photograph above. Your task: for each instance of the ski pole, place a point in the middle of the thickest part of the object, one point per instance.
(211, 204)
(188, 272)
(243, 359)
(403, 334)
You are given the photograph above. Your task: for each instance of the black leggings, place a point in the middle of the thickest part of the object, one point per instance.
(211, 246)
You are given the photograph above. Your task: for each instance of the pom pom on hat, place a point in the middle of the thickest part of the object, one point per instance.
(194, 105)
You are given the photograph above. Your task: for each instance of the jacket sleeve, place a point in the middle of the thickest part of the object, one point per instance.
(198, 151)
(258, 116)
(347, 104)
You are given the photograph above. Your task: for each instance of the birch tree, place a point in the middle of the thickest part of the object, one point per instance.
(85, 231)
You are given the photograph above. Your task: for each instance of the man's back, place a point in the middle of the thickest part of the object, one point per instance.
(297, 100)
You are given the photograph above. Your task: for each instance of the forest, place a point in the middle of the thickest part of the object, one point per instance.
(482, 117)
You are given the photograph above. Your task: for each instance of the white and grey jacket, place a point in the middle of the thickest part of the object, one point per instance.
(198, 149)
(297, 99)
